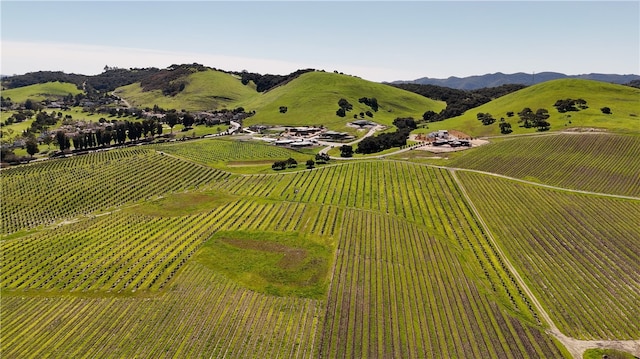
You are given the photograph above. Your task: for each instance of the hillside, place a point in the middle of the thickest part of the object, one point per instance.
(206, 90)
(312, 99)
(39, 92)
(622, 100)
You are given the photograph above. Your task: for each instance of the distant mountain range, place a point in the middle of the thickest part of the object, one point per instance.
(498, 79)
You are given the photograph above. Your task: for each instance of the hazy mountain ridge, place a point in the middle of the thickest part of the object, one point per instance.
(499, 78)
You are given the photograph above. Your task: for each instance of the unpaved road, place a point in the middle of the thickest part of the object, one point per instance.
(575, 346)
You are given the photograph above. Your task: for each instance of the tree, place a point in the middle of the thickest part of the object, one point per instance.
(172, 119)
(322, 158)
(279, 165)
(486, 118)
(310, 164)
(32, 147)
(47, 140)
(291, 162)
(29, 105)
(429, 116)
(505, 128)
(346, 151)
(526, 117)
(345, 105)
(62, 140)
(283, 109)
(340, 112)
(188, 120)
(407, 122)
(606, 110)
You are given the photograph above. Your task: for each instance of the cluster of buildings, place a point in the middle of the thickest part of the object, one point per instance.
(442, 137)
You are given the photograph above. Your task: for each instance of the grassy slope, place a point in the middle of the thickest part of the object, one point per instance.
(622, 100)
(207, 90)
(39, 92)
(312, 99)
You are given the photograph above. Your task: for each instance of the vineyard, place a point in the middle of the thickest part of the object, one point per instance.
(221, 151)
(579, 252)
(605, 163)
(45, 193)
(152, 253)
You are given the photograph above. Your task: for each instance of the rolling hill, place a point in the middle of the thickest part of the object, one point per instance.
(312, 99)
(40, 92)
(206, 90)
(622, 100)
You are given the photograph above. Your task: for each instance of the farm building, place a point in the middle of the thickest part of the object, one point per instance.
(334, 135)
(442, 134)
(363, 123)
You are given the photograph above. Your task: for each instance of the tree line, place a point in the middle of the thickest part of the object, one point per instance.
(384, 141)
(458, 101)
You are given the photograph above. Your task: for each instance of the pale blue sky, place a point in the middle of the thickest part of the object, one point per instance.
(378, 41)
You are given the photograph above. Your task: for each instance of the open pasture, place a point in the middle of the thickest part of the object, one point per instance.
(605, 163)
(579, 253)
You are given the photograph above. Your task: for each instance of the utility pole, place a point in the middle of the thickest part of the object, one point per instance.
(533, 78)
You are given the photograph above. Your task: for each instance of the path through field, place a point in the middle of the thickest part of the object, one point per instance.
(576, 347)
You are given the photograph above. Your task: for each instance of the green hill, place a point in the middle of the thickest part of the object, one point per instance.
(312, 99)
(206, 90)
(40, 92)
(622, 100)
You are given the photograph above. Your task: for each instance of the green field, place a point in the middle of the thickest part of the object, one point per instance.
(199, 249)
(248, 156)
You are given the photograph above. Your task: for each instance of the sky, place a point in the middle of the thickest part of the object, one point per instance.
(375, 40)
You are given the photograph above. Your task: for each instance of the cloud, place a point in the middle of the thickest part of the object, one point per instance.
(22, 57)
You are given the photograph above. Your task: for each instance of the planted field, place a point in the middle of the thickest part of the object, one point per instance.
(364, 259)
(118, 252)
(397, 291)
(202, 314)
(221, 151)
(47, 192)
(580, 253)
(605, 163)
